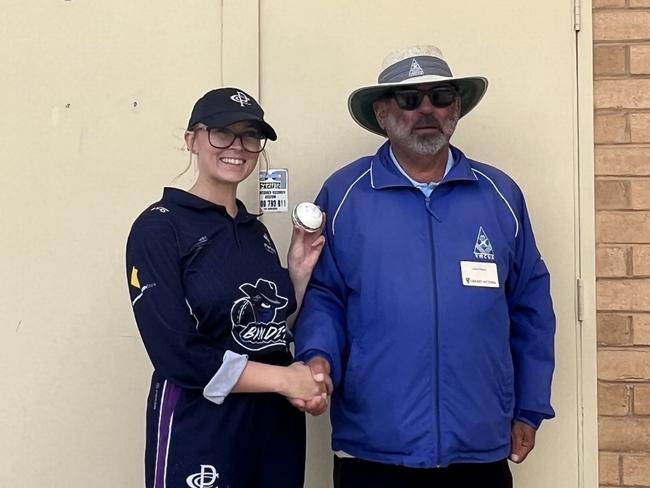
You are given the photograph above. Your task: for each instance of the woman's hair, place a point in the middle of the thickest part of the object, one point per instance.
(189, 164)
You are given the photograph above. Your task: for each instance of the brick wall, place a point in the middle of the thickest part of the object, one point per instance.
(622, 167)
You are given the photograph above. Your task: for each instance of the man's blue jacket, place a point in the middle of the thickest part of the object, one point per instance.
(427, 369)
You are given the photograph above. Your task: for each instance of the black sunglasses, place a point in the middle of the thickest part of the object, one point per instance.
(410, 98)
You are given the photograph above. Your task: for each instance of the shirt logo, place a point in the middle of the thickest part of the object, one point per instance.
(135, 283)
(416, 69)
(253, 316)
(483, 247)
(160, 209)
(241, 98)
(268, 245)
(206, 478)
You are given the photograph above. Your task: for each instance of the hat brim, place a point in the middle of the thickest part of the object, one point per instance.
(224, 119)
(360, 103)
(251, 291)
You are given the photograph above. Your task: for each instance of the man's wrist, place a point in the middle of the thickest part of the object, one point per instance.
(322, 361)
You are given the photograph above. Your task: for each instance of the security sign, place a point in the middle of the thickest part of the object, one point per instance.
(274, 190)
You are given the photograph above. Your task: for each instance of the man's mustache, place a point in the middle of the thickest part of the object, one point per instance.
(427, 121)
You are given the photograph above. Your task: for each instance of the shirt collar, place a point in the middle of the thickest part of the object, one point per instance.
(189, 200)
(418, 184)
(384, 173)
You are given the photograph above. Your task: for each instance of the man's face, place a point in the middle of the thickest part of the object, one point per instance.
(425, 130)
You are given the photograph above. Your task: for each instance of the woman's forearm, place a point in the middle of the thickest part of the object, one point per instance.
(300, 287)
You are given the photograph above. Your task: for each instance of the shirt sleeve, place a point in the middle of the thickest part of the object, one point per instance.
(320, 330)
(532, 328)
(222, 383)
(168, 328)
(531, 418)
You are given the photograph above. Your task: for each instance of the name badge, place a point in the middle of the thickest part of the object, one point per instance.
(479, 274)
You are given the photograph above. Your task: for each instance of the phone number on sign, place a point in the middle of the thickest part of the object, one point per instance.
(273, 203)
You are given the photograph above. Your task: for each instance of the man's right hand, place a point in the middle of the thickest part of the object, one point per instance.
(298, 381)
(320, 369)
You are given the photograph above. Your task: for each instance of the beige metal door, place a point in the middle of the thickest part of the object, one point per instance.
(94, 97)
(312, 54)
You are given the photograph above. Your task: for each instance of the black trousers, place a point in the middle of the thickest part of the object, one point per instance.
(357, 473)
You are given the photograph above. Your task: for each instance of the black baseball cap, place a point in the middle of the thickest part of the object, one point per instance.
(225, 106)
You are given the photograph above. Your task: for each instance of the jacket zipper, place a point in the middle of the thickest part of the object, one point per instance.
(436, 335)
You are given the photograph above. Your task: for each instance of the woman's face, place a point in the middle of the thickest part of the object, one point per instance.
(231, 165)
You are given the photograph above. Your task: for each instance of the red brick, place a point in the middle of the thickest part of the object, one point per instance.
(617, 227)
(613, 399)
(621, 25)
(624, 434)
(621, 161)
(640, 127)
(640, 194)
(636, 470)
(609, 60)
(608, 3)
(640, 60)
(614, 329)
(610, 128)
(642, 399)
(623, 365)
(611, 261)
(631, 93)
(623, 295)
(641, 260)
(641, 329)
(612, 194)
(608, 468)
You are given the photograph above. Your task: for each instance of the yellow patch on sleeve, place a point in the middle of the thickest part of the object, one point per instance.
(134, 277)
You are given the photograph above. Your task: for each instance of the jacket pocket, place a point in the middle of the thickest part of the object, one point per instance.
(506, 383)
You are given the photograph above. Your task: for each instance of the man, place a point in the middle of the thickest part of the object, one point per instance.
(430, 307)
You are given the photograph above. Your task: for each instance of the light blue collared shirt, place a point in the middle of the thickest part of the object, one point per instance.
(426, 188)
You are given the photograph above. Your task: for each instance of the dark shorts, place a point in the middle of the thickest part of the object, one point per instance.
(357, 473)
(250, 441)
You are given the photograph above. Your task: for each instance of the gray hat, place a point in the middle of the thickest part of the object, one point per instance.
(407, 67)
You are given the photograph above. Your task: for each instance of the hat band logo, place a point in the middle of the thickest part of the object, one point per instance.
(416, 69)
(241, 98)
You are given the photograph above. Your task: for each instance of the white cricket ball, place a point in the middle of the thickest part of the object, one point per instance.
(307, 216)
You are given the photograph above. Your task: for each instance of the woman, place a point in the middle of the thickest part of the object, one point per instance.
(212, 301)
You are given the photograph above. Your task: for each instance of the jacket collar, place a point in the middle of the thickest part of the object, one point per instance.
(188, 200)
(383, 173)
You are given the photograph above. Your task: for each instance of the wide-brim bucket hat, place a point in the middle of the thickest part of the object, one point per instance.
(414, 65)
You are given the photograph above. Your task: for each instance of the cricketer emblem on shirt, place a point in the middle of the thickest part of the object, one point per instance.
(253, 316)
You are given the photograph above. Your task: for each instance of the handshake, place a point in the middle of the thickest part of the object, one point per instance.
(308, 386)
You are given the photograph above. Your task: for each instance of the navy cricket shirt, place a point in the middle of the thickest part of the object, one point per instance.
(205, 287)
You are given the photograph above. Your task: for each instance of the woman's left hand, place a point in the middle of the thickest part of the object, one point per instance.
(304, 251)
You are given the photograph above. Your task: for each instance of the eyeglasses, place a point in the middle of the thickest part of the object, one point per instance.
(410, 99)
(222, 138)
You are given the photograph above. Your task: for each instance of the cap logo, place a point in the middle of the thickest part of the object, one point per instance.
(416, 69)
(241, 98)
